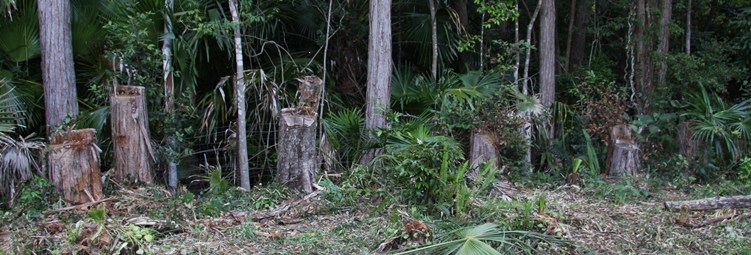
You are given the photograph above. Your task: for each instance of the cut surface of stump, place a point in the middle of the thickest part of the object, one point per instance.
(74, 165)
(133, 154)
(297, 160)
(623, 152)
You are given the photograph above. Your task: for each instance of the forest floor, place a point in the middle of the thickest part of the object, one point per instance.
(596, 220)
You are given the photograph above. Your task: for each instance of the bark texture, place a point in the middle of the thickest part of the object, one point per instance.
(297, 155)
(570, 37)
(644, 70)
(169, 86)
(547, 53)
(688, 27)
(242, 139)
(709, 203)
(133, 154)
(57, 61)
(465, 59)
(379, 69)
(74, 166)
(547, 61)
(483, 149)
(664, 47)
(434, 33)
(578, 52)
(689, 146)
(623, 152)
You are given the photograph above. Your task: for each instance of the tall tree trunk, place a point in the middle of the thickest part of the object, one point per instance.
(526, 128)
(434, 33)
(465, 58)
(664, 47)
(570, 37)
(528, 55)
(644, 44)
(242, 140)
(379, 69)
(579, 47)
(518, 55)
(58, 75)
(169, 87)
(547, 57)
(688, 27)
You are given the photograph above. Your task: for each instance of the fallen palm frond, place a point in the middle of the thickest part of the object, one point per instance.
(19, 161)
(480, 240)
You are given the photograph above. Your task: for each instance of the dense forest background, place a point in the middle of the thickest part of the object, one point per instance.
(412, 91)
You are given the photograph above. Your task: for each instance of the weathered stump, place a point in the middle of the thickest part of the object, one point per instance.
(483, 150)
(74, 166)
(297, 155)
(130, 134)
(623, 152)
(689, 146)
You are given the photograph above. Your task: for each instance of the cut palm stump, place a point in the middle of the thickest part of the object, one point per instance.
(623, 152)
(709, 203)
(74, 165)
(130, 134)
(297, 162)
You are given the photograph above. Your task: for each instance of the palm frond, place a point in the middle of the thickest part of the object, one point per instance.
(480, 240)
(716, 124)
(19, 37)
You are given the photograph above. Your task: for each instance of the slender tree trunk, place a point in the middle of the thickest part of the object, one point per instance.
(579, 38)
(526, 128)
(570, 37)
(518, 55)
(434, 32)
(664, 47)
(465, 58)
(379, 69)
(688, 27)
(168, 79)
(528, 55)
(169, 87)
(547, 57)
(242, 140)
(58, 75)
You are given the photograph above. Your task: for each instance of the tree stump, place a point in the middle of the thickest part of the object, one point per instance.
(689, 146)
(297, 155)
(74, 165)
(483, 150)
(130, 134)
(623, 152)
